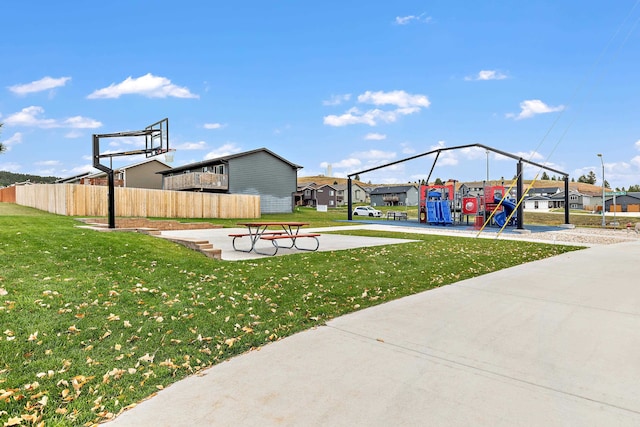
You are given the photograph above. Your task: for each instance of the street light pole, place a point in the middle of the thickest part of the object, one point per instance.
(604, 223)
(487, 167)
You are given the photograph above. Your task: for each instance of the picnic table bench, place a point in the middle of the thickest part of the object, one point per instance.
(260, 231)
(397, 215)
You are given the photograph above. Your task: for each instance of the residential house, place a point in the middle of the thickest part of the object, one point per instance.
(326, 195)
(542, 203)
(139, 175)
(476, 188)
(575, 200)
(76, 179)
(257, 172)
(313, 195)
(396, 195)
(358, 194)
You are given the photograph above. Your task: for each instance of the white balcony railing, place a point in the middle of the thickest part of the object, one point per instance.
(196, 180)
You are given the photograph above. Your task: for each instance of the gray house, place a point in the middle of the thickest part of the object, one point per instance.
(575, 200)
(257, 172)
(358, 194)
(396, 195)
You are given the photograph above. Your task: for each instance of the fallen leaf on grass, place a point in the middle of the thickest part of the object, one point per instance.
(14, 421)
(146, 358)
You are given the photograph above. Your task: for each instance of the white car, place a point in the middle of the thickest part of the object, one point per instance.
(367, 211)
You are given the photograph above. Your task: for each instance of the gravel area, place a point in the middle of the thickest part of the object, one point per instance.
(584, 236)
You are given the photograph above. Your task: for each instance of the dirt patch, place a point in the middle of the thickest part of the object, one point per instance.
(137, 223)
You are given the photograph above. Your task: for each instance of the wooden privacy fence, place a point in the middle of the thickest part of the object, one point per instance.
(92, 200)
(8, 194)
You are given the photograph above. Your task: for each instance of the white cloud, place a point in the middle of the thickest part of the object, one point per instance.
(532, 156)
(637, 145)
(224, 150)
(45, 83)
(406, 103)
(126, 144)
(79, 169)
(10, 167)
(351, 117)
(407, 148)
(371, 117)
(148, 85)
(376, 155)
(16, 138)
(337, 99)
(73, 134)
(375, 136)
(398, 98)
(79, 122)
(487, 75)
(473, 153)
(30, 116)
(531, 107)
(200, 145)
(214, 125)
(346, 163)
(48, 163)
(446, 158)
(404, 20)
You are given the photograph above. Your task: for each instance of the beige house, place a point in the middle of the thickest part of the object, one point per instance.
(139, 175)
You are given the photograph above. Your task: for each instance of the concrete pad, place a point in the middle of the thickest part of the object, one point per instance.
(220, 239)
(552, 342)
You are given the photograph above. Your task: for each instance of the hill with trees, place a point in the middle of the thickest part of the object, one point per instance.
(9, 178)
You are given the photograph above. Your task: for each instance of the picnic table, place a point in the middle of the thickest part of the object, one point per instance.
(396, 215)
(274, 231)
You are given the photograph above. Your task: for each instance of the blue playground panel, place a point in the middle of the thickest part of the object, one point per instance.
(432, 214)
(439, 212)
(445, 211)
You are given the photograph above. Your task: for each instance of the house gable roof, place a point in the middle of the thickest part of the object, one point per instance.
(393, 189)
(225, 159)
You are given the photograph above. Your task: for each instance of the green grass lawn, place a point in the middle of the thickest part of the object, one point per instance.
(93, 322)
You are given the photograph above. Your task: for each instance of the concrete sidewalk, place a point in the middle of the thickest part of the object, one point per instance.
(552, 342)
(219, 238)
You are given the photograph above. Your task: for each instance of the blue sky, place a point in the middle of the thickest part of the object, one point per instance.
(346, 84)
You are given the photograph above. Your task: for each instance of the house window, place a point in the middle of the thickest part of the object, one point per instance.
(307, 193)
(331, 193)
(330, 202)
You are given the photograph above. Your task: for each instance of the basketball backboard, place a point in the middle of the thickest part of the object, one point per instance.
(157, 140)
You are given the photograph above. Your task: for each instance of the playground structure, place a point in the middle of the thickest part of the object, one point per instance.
(441, 205)
(512, 211)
